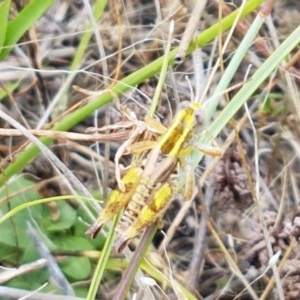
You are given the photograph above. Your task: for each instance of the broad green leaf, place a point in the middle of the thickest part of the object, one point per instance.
(71, 243)
(30, 281)
(13, 231)
(67, 216)
(9, 254)
(76, 268)
(80, 291)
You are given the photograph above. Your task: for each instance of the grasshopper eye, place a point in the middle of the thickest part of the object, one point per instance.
(199, 118)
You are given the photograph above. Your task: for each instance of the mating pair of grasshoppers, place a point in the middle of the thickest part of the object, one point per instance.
(146, 189)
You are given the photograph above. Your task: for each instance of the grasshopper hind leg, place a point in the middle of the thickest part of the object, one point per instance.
(118, 200)
(147, 216)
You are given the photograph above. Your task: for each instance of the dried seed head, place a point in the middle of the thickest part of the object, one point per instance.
(231, 182)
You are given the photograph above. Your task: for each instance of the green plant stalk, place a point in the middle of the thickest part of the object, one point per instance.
(4, 13)
(81, 50)
(223, 25)
(8, 88)
(132, 80)
(102, 262)
(163, 74)
(127, 279)
(22, 22)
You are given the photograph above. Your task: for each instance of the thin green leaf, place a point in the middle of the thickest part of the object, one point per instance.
(101, 265)
(4, 11)
(8, 88)
(22, 22)
(67, 218)
(26, 205)
(81, 50)
(231, 69)
(76, 268)
(255, 82)
(248, 89)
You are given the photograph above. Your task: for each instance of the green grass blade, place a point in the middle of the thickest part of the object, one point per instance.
(235, 62)
(248, 89)
(163, 74)
(27, 205)
(206, 36)
(22, 22)
(4, 11)
(84, 42)
(102, 262)
(98, 10)
(7, 89)
(255, 82)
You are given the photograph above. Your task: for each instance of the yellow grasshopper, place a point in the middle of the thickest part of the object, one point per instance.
(150, 187)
